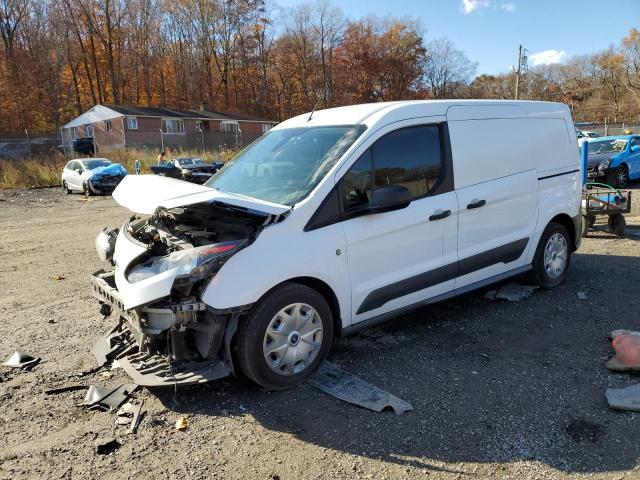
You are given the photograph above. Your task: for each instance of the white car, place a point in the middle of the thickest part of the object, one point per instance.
(91, 175)
(586, 135)
(334, 221)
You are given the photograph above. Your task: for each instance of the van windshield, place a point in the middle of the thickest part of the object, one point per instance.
(285, 165)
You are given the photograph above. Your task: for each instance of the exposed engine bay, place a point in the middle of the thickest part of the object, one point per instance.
(176, 338)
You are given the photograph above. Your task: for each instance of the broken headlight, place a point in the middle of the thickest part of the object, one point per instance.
(106, 243)
(195, 263)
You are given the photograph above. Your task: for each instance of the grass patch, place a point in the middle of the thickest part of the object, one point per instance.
(46, 170)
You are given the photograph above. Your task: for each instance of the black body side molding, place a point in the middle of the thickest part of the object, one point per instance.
(503, 254)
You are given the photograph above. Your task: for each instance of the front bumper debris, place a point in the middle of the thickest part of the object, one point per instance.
(128, 341)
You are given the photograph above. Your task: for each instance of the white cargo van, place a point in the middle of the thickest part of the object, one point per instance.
(333, 221)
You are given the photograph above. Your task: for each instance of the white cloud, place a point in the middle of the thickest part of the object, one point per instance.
(470, 6)
(508, 7)
(547, 57)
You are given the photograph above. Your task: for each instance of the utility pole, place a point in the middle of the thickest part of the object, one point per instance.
(522, 66)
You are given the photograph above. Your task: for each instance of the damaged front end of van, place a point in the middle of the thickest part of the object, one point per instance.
(160, 263)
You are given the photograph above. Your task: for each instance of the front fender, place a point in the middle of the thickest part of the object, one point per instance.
(280, 253)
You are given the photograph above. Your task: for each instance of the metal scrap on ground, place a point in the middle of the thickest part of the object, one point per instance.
(108, 398)
(349, 388)
(624, 398)
(513, 292)
(21, 360)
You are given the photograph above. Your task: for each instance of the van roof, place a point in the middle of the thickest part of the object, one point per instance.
(371, 112)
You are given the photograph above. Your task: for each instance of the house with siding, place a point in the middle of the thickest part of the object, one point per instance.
(124, 126)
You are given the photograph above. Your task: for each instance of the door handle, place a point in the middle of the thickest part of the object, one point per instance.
(476, 204)
(440, 215)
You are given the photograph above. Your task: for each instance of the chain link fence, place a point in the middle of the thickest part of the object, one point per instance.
(603, 129)
(24, 146)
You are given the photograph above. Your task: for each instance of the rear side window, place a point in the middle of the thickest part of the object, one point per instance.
(409, 157)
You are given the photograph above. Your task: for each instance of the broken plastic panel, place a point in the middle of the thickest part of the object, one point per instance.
(349, 388)
(21, 360)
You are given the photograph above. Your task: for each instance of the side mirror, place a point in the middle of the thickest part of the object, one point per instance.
(388, 198)
(635, 148)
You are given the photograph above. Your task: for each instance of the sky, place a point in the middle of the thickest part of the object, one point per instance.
(490, 31)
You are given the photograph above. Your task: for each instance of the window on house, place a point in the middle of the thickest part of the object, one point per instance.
(266, 127)
(172, 125)
(227, 126)
(74, 133)
(132, 123)
(107, 125)
(88, 131)
(202, 126)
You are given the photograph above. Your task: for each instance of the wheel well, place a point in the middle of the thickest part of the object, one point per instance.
(327, 292)
(566, 221)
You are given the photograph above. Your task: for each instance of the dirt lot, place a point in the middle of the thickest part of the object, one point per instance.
(500, 390)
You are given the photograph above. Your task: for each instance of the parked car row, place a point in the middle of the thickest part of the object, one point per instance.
(98, 175)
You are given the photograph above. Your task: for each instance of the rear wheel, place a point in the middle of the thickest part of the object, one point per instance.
(285, 337)
(552, 257)
(619, 177)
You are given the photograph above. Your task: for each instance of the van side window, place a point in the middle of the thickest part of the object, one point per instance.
(356, 185)
(410, 157)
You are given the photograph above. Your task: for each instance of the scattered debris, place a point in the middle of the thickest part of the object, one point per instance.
(57, 277)
(137, 417)
(108, 398)
(67, 388)
(513, 292)
(349, 388)
(627, 398)
(582, 295)
(580, 429)
(21, 360)
(108, 447)
(182, 423)
(124, 415)
(627, 348)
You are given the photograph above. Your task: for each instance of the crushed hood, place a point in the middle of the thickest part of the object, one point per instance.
(113, 169)
(144, 193)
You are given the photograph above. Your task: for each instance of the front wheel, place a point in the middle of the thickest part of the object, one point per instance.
(552, 257)
(619, 177)
(285, 337)
(65, 187)
(86, 188)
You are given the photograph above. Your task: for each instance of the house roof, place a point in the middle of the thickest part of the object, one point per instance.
(100, 113)
(133, 110)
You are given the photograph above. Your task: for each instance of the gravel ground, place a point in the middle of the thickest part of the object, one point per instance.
(499, 389)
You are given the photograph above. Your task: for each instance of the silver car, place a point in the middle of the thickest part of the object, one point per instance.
(92, 176)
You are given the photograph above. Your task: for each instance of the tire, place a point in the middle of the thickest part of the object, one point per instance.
(286, 368)
(65, 188)
(619, 177)
(86, 189)
(617, 224)
(545, 267)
